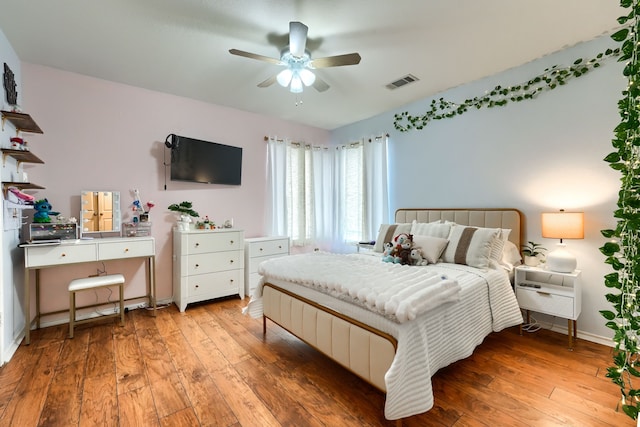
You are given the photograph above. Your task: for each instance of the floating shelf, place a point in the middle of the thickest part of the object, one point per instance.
(21, 186)
(22, 156)
(23, 122)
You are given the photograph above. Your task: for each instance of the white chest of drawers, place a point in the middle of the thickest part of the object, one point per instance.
(258, 249)
(207, 264)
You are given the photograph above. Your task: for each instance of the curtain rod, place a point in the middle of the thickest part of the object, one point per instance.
(266, 138)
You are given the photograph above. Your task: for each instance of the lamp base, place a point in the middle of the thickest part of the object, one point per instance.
(561, 260)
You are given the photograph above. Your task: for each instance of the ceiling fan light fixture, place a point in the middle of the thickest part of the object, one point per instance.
(284, 77)
(307, 76)
(296, 83)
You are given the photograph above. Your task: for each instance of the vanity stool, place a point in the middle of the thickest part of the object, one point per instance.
(94, 282)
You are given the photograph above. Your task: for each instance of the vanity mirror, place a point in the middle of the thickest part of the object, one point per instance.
(100, 212)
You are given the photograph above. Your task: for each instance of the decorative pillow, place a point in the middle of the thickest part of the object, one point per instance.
(470, 246)
(497, 246)
(433, 229)
(388, 232)
(431, 247)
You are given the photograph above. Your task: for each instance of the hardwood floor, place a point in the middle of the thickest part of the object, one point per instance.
(211, 366)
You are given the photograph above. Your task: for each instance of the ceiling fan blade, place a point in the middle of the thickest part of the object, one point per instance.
(255, 56)
(336, 61)
(271, 80)
(320, 85)
(297, 38)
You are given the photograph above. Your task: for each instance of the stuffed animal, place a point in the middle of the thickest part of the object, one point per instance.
(43, 211)
(416, 257)
(387, 252)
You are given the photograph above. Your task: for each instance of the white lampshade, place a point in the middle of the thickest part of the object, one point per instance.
(296, 83)
(308, 78)
(284, 77)
(562, 225)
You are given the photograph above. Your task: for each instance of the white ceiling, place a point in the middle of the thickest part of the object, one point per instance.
(181, 46)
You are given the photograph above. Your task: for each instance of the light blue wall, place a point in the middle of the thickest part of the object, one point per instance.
(539, 155)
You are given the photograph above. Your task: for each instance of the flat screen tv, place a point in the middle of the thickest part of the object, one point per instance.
(195, 160)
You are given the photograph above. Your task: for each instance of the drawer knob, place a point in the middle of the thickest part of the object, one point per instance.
(126, 249)
(231, 261)
(260, 249)
(197, 265)
(231, 280)
(231, 241)
(197, 286)
(197, 244)
(63, 255)
(279, 246)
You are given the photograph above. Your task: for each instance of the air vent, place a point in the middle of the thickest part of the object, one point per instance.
(409, 78)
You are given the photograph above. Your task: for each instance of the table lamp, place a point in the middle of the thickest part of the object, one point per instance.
(562, 225)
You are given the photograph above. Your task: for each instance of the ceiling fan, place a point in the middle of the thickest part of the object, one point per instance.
(297, 60)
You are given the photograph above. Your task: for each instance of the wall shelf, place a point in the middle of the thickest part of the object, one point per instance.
(22, 121)
(20, 186)
(21, 156)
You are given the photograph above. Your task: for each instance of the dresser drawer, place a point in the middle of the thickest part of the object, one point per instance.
(255, 262)
(211, 262)
(213, 285)
(269, 247)
(62, 254)
(128, 249)
(546, 302)
(212, 242)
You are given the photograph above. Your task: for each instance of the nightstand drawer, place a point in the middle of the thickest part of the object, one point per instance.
(269, 247)
(541, 301)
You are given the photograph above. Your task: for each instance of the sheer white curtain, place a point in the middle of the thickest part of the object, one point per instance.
(361, 190)
(328, 197)
(376, 187)
(299, 183)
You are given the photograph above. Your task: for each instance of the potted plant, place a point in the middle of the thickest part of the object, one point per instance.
(186, 212)
(532, 252)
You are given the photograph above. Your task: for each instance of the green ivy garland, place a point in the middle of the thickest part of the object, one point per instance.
(623, 251)
(500, 96)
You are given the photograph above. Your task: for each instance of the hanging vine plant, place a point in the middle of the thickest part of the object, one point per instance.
(500, 96)
(623, 251)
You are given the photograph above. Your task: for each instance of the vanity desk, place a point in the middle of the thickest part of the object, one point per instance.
(46, 255)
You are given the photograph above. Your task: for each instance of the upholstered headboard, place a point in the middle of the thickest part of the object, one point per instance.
(490, 218)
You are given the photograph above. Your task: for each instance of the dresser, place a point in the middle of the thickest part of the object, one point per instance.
(258, 249)
(207, 264)
(65, 252)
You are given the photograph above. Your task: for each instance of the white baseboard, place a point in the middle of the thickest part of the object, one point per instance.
(586, 336)
(108, 309)
(11, 349)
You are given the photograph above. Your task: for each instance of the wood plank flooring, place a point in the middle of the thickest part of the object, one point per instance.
(211, 366)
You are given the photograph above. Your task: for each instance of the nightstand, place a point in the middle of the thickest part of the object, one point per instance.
(544, 291)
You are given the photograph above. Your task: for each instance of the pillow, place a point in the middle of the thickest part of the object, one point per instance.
(497, 245)
(434, 229)
(511, 254)
(388, 232)
(470, 246)
(431, 247)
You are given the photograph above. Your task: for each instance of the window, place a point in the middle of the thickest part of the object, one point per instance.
(327, 195)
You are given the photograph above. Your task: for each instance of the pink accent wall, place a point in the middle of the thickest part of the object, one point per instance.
(100, 135)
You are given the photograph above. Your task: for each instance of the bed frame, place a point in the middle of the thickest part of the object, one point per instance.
(360, 348)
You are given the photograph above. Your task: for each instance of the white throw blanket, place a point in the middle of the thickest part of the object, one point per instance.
(400, 292)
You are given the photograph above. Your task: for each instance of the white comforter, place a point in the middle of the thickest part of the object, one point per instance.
(437, 337)
(401, 292)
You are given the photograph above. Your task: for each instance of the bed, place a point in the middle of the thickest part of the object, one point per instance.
(341, 304)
